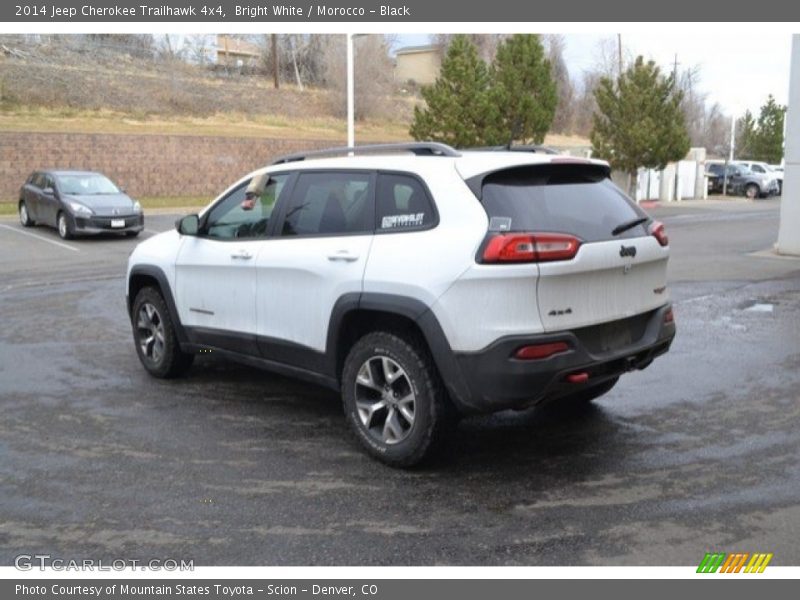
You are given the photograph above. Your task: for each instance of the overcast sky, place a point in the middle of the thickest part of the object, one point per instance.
(738, 71)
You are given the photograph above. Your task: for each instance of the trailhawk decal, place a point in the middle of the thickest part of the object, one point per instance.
(407, 220)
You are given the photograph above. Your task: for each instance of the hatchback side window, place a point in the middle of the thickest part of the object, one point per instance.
(329, 204)
(240, 216)
(402, 203)
(757, 169)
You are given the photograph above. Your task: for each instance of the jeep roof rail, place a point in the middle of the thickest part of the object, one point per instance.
(417, 148)
(536, 148)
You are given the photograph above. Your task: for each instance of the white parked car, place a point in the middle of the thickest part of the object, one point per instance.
(778, 170)
(419, 281)
(768, 171)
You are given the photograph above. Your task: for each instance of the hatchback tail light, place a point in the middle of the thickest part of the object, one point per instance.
(657, 231)
(530, 247)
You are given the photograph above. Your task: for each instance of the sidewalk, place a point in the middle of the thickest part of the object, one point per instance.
(734, 202)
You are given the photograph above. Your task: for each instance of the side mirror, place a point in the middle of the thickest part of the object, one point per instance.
(188, 225)
(48, 191)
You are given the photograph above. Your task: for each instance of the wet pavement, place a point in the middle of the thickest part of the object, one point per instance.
(231, 466)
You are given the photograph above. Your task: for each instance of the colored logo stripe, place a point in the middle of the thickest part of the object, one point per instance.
(758, 563)
(711, 562)
(734, 563)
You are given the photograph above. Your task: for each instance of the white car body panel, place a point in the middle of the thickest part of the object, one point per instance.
(494, 301)
(299, 280)
(158, 251)
(599, 285)
(215, 285)
(423, 264)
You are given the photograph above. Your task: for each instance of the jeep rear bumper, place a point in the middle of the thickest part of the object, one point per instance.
(496, 380)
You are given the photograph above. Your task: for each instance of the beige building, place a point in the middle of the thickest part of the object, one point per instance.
(236, 53)
(418, 64)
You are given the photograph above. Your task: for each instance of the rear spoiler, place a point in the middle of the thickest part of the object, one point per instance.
(559, 169)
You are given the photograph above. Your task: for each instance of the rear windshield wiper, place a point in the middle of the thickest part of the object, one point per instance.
(628, 225)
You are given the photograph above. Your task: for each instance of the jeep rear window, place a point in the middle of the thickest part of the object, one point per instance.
(566, 198)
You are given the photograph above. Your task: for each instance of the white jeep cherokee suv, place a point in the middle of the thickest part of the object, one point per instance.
(420, 281)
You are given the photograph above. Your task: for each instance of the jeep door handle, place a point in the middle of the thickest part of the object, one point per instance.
(242, 255)
(342, 256)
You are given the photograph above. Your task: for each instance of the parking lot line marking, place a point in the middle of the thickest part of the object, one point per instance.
(39, 237)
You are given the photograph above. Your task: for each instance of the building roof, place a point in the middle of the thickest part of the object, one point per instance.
(418, 49)
(227, 45)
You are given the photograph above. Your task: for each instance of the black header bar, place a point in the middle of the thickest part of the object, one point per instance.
(354, 11)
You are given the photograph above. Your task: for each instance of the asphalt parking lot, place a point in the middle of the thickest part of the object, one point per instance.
(231, 466)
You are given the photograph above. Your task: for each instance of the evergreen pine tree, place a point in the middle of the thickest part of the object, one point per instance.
(639, 122)
(456, 104)
(746, 136)
(768, 138)
(523, 95)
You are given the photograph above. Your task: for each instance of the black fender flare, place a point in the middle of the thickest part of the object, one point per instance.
(416, 311)
(166, 292)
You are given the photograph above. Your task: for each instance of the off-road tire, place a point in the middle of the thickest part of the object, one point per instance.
(432, 409)
(169, 361)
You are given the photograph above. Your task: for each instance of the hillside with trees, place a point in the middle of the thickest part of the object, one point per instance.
(294, 85)
(152, 83)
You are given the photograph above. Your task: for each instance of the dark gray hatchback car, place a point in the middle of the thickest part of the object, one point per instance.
(78, 203)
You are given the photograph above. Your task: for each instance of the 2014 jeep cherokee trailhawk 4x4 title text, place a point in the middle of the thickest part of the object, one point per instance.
(420, 281)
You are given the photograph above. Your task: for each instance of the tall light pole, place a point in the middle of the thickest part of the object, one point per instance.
(789, 232)
(351, 101)
(730, 157)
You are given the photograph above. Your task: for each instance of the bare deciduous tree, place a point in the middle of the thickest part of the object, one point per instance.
(716, 132)
(585, 103)
(374, 80)
(200, 48)
(486, 43)
(564, 120)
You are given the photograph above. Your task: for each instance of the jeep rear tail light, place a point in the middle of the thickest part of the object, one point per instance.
(540, 351)
(530, 247)
(657, 231)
